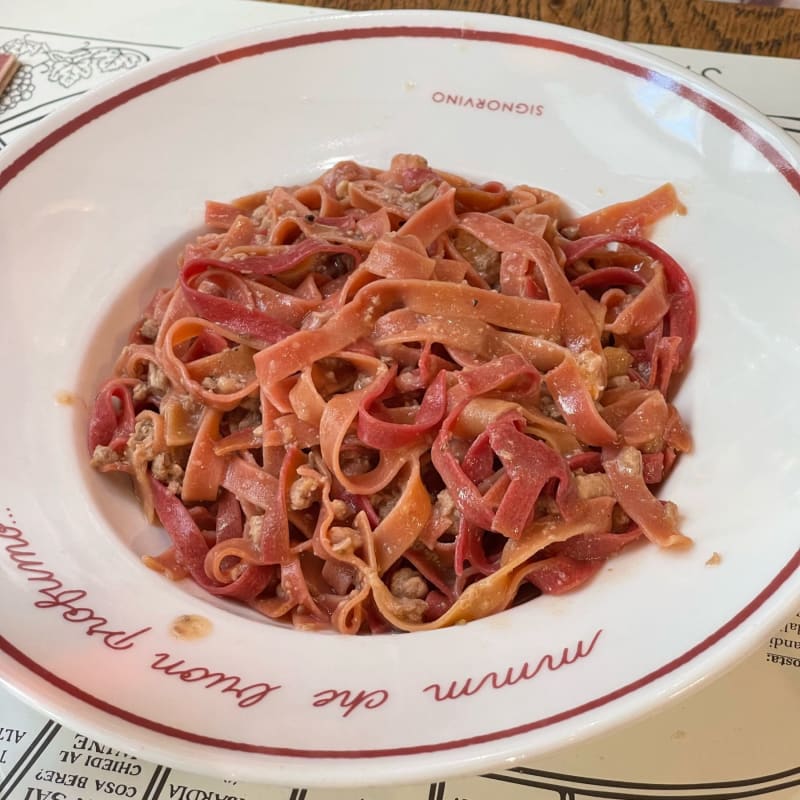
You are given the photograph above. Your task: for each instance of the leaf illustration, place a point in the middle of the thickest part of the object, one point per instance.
(68, 73)
(60, 56)
(81, 54)
(111, 59)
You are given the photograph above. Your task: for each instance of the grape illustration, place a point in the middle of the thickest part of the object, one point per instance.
(20, 89)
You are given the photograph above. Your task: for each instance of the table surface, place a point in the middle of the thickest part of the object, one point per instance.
(703, 24)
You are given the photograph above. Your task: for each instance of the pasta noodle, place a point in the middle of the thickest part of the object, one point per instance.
(401, 400)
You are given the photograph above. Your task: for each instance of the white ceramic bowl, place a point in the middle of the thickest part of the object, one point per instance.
(92, 212)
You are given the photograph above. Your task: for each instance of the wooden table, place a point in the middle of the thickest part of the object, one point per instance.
(704, 24)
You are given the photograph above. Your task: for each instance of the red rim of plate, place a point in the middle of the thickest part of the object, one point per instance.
(724, 115)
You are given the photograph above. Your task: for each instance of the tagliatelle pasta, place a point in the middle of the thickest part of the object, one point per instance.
(402, 400)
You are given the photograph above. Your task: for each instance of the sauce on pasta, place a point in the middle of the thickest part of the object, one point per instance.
(400, 400)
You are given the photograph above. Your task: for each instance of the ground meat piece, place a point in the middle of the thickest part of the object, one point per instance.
(620, 521)
(630, 461)
(334, 265)
(445, 507)
(209, 287)
(149, 329)
(344, 540)
(593, 369)
(251, 403)
(103, 455)
(546, 506)
(362, 381)
(383, 502)
(140, 392)
(618, 382)
(189, 405)
(167, 471)
(258, 213)
(445, 504)
(157, 379)
(408, 201)
(224, 384)
(140, 443)
(303, 492)
(408, 583)
(355, 464)
(341, 511)
(344, 172)
(419, 197)
(253, 529)
(410, 610)
(596, 484)
(547, 406)
(618, 361)
(485, 260)
(250, 411)
(156, 384)
(252, 419)
(245, 416)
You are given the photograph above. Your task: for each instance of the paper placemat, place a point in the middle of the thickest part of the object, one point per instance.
(737, 738)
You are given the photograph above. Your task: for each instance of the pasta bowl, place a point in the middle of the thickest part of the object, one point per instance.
(98, 206)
